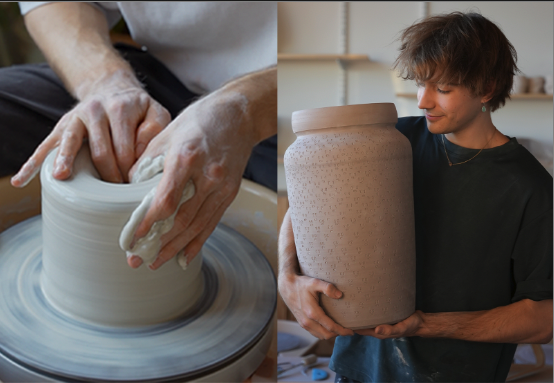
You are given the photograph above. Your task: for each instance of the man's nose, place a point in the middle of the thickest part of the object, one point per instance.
(424, 98)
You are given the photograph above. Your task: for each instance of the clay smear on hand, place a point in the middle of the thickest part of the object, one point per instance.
(148, 247)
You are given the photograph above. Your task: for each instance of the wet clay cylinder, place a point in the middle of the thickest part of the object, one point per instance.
(349, 184)
(85, 273)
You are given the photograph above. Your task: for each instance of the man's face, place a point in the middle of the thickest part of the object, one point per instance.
(449, 108)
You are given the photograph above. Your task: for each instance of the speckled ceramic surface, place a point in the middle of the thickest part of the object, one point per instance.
(349, 181)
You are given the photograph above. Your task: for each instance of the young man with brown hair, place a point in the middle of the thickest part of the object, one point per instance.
(483, 211)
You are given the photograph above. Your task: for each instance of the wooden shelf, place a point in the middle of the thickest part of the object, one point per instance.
(320, 57)
(532, 96)
(524, 96)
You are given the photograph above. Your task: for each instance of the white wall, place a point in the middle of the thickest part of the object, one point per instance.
(373, 29)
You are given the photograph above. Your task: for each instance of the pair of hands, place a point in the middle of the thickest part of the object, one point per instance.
(525, 321)
(301, 294)
(124, 125)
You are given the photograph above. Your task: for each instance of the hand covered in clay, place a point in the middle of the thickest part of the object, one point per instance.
(209, 144)
(116, 116)
(301, 293)
(407, 327)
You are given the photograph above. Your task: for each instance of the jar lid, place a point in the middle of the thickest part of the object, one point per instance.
(348, 115)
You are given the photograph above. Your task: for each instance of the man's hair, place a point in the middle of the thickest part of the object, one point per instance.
(466, 48)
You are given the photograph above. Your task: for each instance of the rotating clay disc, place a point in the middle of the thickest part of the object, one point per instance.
(233, 314)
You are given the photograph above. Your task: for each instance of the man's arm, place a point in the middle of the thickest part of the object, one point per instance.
(74, 38)
(209, 143)
(525, 321)
(114, 112)
(301, 293)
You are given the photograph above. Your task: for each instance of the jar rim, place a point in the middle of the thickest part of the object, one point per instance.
(347, 115)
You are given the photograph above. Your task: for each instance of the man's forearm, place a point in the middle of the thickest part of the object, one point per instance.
(288, 261)
(255, 94)
(525, 321)
(74, 38)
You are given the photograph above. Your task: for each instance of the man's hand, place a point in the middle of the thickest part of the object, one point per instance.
(407, 327)
(301, 293)
(209, 143)
(525, 321)
(119, 119)
(116, 115)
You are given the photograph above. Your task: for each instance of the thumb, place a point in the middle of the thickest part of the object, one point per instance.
(330, 290)
(147, 168)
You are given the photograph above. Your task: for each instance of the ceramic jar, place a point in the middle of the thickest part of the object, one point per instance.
(548, 84)
(520, 85)
(536, 84)
(349, 184)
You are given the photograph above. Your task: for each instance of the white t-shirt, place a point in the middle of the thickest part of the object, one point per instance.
(205, 44)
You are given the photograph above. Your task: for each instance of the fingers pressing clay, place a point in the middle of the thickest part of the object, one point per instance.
(71, 142)
(101, 149)
(32, 167)
(26, 174)
(157, 118)
(148, 247)
(148, 168)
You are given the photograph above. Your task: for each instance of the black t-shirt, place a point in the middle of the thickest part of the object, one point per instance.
(483, 239)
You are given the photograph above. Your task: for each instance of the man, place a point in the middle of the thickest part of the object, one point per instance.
(128, 103)
(483, 215)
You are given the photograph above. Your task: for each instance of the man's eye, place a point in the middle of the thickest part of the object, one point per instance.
(443, 91)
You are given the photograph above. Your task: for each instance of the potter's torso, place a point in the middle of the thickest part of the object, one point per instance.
(205, 44)
(483, 240)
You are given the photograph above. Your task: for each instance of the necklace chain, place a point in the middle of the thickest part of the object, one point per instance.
(459, 163)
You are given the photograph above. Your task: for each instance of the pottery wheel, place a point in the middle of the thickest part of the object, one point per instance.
(233, 314)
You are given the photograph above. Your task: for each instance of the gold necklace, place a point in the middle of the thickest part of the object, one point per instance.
(459, 163)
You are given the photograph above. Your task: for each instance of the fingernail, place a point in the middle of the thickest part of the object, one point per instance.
(378, 331)
(338, 294)
(136, 261)
(154, 265)
(60, 168)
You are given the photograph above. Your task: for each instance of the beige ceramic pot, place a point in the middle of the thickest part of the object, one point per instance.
(349, 183)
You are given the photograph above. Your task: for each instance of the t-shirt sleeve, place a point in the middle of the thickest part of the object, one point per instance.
(27, 6)
(532, 259)
(110, 10)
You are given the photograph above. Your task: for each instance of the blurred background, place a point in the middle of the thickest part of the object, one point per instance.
(16, 46)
